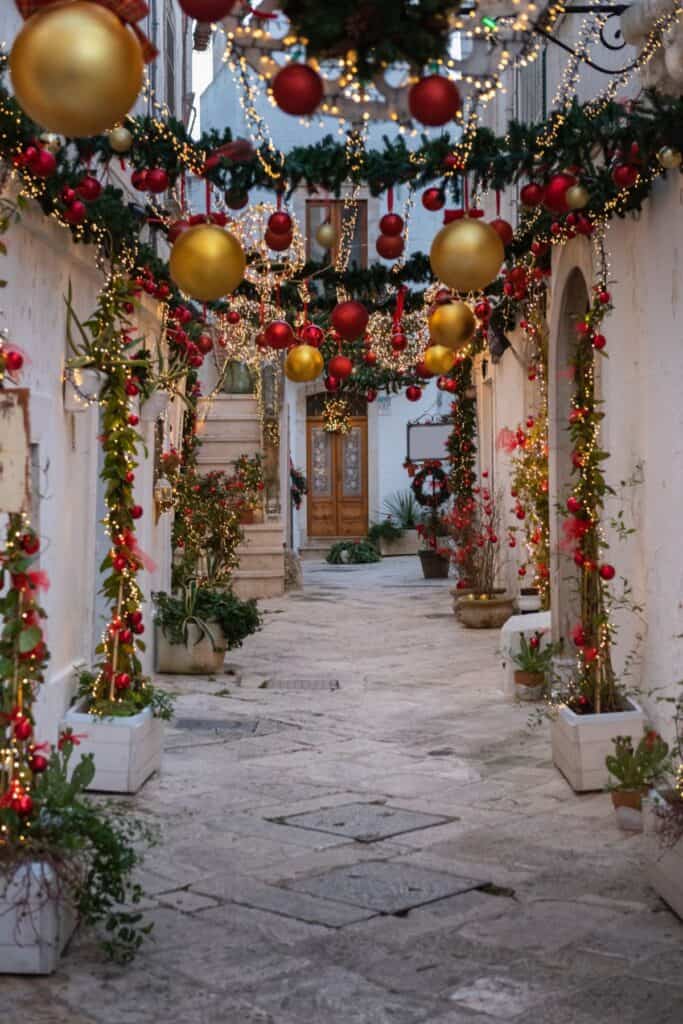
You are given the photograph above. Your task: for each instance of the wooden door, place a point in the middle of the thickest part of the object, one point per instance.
(337, 480)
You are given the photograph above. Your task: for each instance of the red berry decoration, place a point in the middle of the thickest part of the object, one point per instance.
(278, 243)
(157, 180)
(14, 360)
(534, 643)
(207, 10)
(75, 213)
(297, 89)
(434, 100)
(625, 175)
(350, 319)
(278, 334)
(413, 393)
(391, 224)
(503, 230)
(555, 197)
(607, 572)
(433, 199)
(280, 223)
(331, 383)
(138, 180)
(89, 189)
(340, 367)
(390, 247)
(313, 335)
(532, 194)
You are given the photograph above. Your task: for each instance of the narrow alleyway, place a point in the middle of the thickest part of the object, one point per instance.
(356, 829)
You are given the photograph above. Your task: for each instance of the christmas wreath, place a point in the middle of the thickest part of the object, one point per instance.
(437, 492)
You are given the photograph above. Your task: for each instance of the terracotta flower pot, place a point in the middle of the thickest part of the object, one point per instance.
(529, 685)
(628, 804)
(434, 565)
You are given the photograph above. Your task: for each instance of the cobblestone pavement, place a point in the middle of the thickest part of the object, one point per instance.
(357, 829)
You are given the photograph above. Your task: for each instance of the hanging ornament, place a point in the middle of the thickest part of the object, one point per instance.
(669, 157)
(504, 230)
(371, 395)
(413, 393)
(399, 342)
(207, 262)
(280, 223)
(297, 89)
(157, 180)
(370, 359)
(434, 100)
(303, 363)
(433, 199)
(42, 163)
(326, 236)
(205, 344)
(467, 255)
(278, 243)
(207, 10)
(51, 142)
(278, 334)
(532, 194)
(331, 383)
(75, 213)
(391, 224)
(452, 325)
(577, 196)
(438, 359)
(76, 68)
(340, 367)
(311, 334)
(390, 247)
(236, 198)
(138, 180)
(625, 175)
(350, 319)
(120, 139)
(555, 196)
(89, 188)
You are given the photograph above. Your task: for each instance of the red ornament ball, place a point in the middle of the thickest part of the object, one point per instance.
(399, 342)
(138, 180)
(391, 224)
(340, 367)
(331, 383)
(313, 335)
(607, 572)
(23, 805)
(157, 180)
(207, 10)
(14, 360)
(133, 419)
(371, 394)
(434, 100)
(278, 243)
(43, 164)
(370, 359)
(137, 512)
(89, 188)
(503, 230)
(390, 247)
(555, 197)
(30, 543)
(280, 223)
(204, 343)
(278, 334)
(350, 319)
(532, 194)
(37, 763)
(122, 680)
(599, 341)
(75, 213)
(233, 317)
(23, 728)
(433, 199)
(297, 89)
(413, 393)
(624, 175)
(573, 505)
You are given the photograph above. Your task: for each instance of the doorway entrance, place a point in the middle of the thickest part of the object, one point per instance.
(337, 473)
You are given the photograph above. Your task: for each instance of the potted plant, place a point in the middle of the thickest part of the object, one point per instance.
(352, 552)
(431, 490)
(403, 510)
(633, 771)
(529, 600)
(206, 528)
(475, 528)
(386, 536)
(249, 481)
(533, 662)
(197, 627)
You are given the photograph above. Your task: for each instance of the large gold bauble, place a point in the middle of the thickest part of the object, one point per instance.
(576, 197)
(76, 68)
(207, 262)
(452, 325)
(438, 359)
(120, 139)
(467, 255)
(326, 236)
(669, 157)
(303, 363)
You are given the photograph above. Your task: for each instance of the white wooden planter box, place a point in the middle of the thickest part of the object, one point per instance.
(126, 751)
(664, 864)
(408, 544)
(580, 743)
(34, 925)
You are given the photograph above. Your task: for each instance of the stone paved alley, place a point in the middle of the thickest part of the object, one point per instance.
(397, 850)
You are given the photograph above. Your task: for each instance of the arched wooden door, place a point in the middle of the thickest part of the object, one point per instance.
(337, 473)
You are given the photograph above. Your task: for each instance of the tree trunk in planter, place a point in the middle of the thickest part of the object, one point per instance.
(434, 565)
(199, 656)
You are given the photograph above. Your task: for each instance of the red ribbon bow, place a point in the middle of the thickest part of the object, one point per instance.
(129, 11)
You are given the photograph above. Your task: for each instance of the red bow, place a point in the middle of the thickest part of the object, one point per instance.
(129, 11)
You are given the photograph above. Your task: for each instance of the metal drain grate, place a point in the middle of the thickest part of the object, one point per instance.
(301, 684)
(238, 727)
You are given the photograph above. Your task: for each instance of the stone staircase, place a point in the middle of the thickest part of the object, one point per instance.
(315, 548)
(232, 428)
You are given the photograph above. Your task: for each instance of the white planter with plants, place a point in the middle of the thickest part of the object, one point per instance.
(407, 544)
(663, 821)
(36, 920)
(126, 749)
(582, 742)
(396, 533)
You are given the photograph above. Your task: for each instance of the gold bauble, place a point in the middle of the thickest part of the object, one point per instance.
(438, 359)
(303, 363)
(576, 197)
(669, 157)
(467, 255)
(76, 68)
(52, 142)
(452, 325)
(120, 139)
(207, 262)
(326, 236)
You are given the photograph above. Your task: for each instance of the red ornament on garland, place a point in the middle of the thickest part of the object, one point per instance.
(390, 247)
(14, 360)
(413, 393)
(599, 342)
(371, 394)
(207, 10)
(233, 317)
(138, 180)
(350, 319)
(137, 512)
(278, 334)
(434, 100)
(204, 343)
(313, 335)
(391, 224)
(370, 359)
(122, 681)
(37, 763)
(399, 342)
(30, 543)
(297, 89)
(22, 728)
(532, 194)
(43, 164)
(89, 189)
(340, 367)
(280, 223)
(75, 213)
(503, 230)
(555, 197)
(573, 505)
(624, 175)
(607, 572)
(157, 180)
(278, 243)
(433, 199)
(331, 383)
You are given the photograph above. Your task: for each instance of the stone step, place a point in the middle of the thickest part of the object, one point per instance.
(259, 583)
(224, 457)
(248, 431)
(238, 407)
(266, 559)
(317, 547)
(265, 535)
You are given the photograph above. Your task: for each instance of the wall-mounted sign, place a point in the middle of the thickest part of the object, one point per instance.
(428, 441)
(15, 451)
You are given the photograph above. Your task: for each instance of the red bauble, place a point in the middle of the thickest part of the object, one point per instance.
(122, 681)
(370, 359)
(207, 10)
(133, 419)
(37, 763)
(278, 334)
(350, 319)
(599, 342)
(135, 618)
(313, 335)
(573, 505)
(131, 388)
(119, 563)
(391, 224)
(204, 343)
(157, 180)
(23, 728)
(371, 394)
(331, 383)
(75, 213)
(390, 247)
(43, 164)
(434, 100)
(297, 89)
(67, 195)
(30, 543)
(413, 393)
(137, 512)
(590, 654)
(278, 243)
(452, 387)
(532, 194)
(555, 197)
(23, 805)
(607, 572)
(399, 342)
(624, 175)
(162, 291)
(503, 229)
(196, 360)
(234, 317)
(14, 360)
(126, 636)
(89, 188)
(280, 223)
(433, 199)
(138, 180)
(340, 367)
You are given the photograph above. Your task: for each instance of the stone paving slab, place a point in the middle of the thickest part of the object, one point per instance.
(364, 822)
(386, 887)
